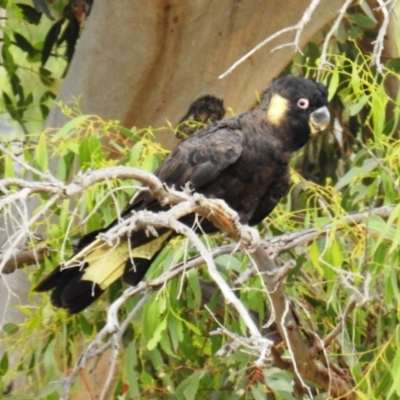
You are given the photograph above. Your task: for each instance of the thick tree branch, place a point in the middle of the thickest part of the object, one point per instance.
(222, 216)
(24, 257)
(165, 195)
(303, 362)
(306, 366)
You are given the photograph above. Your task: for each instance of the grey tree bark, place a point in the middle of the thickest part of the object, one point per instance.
(144, 62)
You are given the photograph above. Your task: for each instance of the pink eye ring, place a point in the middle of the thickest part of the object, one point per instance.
(303, 104)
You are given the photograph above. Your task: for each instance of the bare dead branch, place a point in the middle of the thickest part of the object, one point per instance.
(166, 195)
(356, 299)
(279, 244)
(297, 28)
(23, 258)
(226, 220)
(25, 165)
(196, 203)
(18, 240)
(169, 219)
(339, 327)
(288, 241)
(92, 349)
(305, 366)
(379, 43)
(323, 59)
(58, 190)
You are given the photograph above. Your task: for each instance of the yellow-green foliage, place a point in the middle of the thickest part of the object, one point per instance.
(168, 350)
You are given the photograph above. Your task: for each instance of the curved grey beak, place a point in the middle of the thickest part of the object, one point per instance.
(319, 120)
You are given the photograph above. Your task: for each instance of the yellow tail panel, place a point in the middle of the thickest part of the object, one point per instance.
(107, 264)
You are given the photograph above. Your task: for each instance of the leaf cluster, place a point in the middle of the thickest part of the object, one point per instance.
(170, 349)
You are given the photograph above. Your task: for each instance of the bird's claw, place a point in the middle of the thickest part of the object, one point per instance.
(251, 240)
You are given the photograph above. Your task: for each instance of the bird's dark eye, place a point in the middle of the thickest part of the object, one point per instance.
(303, 104)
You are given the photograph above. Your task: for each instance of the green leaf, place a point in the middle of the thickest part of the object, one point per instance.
(18, 92)
(70, 126)
(341, 34)
(151, 318)
(195, 288)
(50, 40)
(355, 32)
(4, 364)
(257, 392)
(45, 77)
(165, 344)
(130, 364)
(356, 172)
(9, 171)
(384, 229)
(229, 262)
(188, 388)
(367, 10)
(41, 154)
(89, 149)
(84, 326)
(24, 44)
(355, 108)
(70, 36)
(146, 379)
(29, 13)
(10, 329)
(363, 21)
(129, 133)
(10, 107)
(73, 147)
(333, 84)
(161, 326)
(192, 327)
(355, 78)
(61, 171)
(378, 108)
(8, 60)
(175, 328)
(280, 382)
(395, 372)
(49, 389)
(393, 65)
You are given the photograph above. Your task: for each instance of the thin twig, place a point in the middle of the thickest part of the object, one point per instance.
(167, 219)
(298, 28)
(379, 43)
(96, 343)
(323, 59)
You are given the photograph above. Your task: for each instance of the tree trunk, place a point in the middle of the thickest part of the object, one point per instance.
(144, 62)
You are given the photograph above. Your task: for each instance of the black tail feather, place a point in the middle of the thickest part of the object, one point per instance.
(50, 281)
(74, 291)
(76, 295)
(68, 290)
(136, 268)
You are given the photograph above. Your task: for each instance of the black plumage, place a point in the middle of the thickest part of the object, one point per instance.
(202, 112)
(242, 160)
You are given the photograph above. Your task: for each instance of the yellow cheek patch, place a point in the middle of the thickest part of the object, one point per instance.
(277, 110)
(107, 264)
